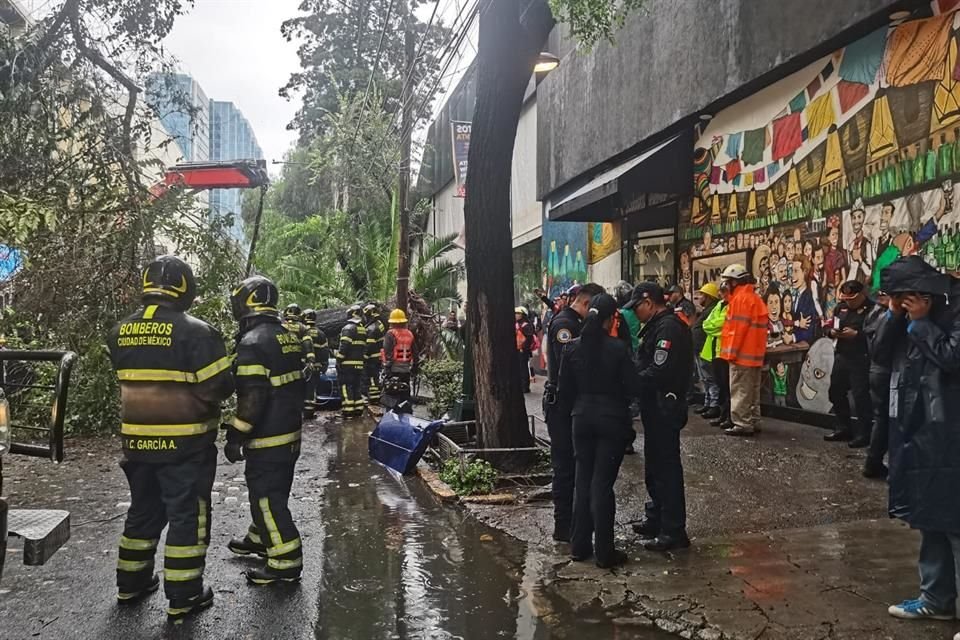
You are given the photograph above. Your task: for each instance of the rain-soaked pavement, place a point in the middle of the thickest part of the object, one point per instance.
(383, 559)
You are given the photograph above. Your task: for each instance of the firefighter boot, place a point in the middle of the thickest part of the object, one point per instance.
(246, 547)
(182, 607)
(132, 597)
(266, 575)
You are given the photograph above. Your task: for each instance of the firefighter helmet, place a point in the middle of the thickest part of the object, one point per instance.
(355, 312)
(735, 272)
(170, 278)
(371, 310)
(255, 296)
(521, 311)
(397, 316)
(292, 312)
(309, 317)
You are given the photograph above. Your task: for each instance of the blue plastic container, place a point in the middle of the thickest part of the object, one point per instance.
(400, 440)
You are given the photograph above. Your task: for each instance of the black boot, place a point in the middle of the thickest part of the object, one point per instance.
(616, 559)
(266, 576)
(842, 435)
(667, 543)
(131, 597)
(860, 442)
(246, 547)
(875, 470)
(646, 528)
(712, 413)
(181, 608)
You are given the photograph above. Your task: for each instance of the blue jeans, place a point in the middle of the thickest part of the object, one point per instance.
(711, 392)
(939, 568)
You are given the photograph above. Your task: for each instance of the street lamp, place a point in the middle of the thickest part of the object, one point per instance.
(546, 62)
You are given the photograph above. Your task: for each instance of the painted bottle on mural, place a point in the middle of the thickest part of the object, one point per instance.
(930, 253)
(930, 164)
(906, 168)
(918, 172)
(566, 266)
(950, 250)
(956, 148)
(937, 242)
(944, 157)
(553, 260)
(580, 267)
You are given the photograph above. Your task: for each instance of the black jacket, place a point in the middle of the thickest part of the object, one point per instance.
(352, 350)
(854, 349)
(871, 325)
(697, 333)
(601, 380)
(174, 372)
(665, 356)
(924, 357)
(375, 333)
(270, 389)
(563, 329)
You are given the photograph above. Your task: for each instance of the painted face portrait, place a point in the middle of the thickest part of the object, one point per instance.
(833, 237)
(684, 261)
(818, 258)
(808, 249)
(856, 221)
(886, 217)
(796, 235)
(813, 389)
(787, 303)
(797, 272)
(791, 252)
(773, 307)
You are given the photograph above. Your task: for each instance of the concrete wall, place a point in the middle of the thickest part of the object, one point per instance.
(607, 272)
(673, 60)
(526, 212)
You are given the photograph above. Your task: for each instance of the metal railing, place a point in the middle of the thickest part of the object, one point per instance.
(65, 360)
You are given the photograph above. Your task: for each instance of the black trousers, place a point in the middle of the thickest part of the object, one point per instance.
(310, 398)
(721, 372)
(599, 444)
(563, 461)
(352, 386)
(663, 471)
(523, 370)
(880, 398)
(852, 374)
(175, 494)
(372, 373)
(397, 394)
(269, 486)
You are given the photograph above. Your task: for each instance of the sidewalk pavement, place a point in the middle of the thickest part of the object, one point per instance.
(790, 542)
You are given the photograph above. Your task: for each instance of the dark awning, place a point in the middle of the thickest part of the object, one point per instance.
(664, 168)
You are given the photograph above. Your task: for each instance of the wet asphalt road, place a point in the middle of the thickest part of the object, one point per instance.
(383, 560)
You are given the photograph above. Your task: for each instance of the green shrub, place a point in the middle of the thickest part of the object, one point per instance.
(476, 477)
(445, 378)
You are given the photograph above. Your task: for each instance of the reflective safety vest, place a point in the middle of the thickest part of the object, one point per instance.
(743, 341)
(400, 357)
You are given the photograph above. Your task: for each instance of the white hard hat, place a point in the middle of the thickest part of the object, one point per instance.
(735, 272)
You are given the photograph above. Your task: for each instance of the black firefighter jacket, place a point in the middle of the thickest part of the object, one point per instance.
(174, 373)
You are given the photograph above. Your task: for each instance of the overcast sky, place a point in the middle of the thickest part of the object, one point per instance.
(234, 49)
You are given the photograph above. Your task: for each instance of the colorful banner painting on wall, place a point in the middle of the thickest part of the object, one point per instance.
(604, 240)
(564, 253)
(827, 176)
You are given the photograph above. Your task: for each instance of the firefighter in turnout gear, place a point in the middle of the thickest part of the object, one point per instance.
(351, 362)
(266, 429)
(293, 322)
(375, 331)
(399, 363)
(321, 351)
(174, 372)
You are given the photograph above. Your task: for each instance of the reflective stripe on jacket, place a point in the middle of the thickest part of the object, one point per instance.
(713, 328)
(744, 338)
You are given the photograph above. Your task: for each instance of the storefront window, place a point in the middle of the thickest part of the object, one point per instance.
(650, 257)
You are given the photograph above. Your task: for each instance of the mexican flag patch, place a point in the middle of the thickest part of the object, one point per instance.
(663, 344)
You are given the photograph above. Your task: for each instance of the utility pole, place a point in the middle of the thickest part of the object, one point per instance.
(406, 127)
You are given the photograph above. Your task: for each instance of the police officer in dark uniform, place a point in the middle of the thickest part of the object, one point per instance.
(321, 350)
(375, 332)
(563, 329)
(266, 429)
(174, 373)
(351, 362)
(664, 362)
(851, 366)
(293, 322)
(598, 374)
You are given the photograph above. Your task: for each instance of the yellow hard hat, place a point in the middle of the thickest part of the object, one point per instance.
(710, 289)
(397, 316)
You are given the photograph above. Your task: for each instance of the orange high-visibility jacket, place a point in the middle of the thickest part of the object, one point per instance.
(743, 341)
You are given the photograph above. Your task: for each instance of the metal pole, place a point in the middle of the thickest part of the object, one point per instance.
(256, 231)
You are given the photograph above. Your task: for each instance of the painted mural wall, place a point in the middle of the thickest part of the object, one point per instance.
(828, 176)
(564, 254)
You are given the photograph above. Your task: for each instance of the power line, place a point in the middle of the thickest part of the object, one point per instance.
(373, 70)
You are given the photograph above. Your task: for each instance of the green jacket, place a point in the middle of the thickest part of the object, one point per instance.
(713, 327)
(634, 323)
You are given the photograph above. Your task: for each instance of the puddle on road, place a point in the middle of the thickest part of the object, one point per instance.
(399, 565)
